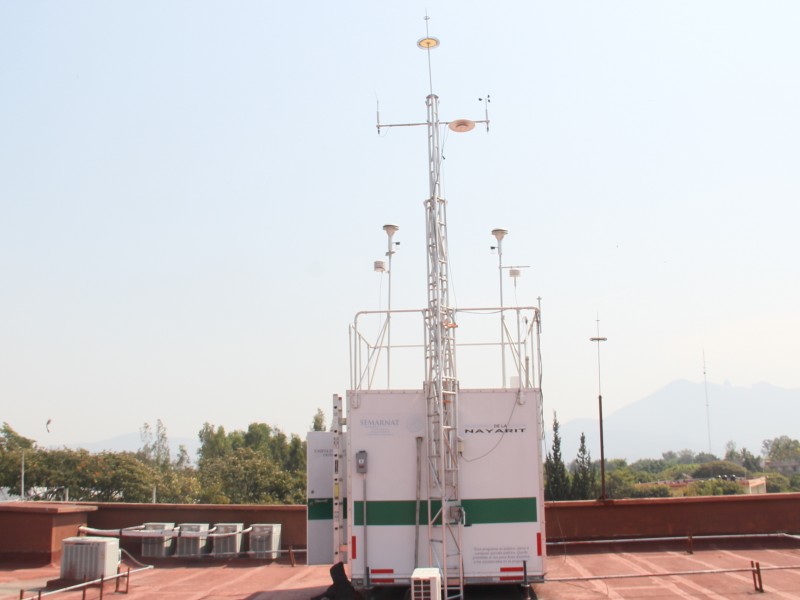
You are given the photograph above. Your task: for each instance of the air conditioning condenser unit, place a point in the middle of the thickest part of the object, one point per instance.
(426, 584)
(89, 558)
(265, 540)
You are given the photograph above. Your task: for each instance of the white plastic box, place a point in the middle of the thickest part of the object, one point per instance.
(89, 558)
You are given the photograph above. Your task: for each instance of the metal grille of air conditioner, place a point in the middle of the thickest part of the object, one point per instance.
(159, 545)
(89, 558)
(192, 539)
(265, 540)
(227, 545)
(426, 584)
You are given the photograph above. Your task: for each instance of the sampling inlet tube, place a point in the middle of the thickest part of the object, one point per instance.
(361, 467)
(366, 564)
(419, 493)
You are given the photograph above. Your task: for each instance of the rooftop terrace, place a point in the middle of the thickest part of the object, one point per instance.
(654, 549)
(622, 571)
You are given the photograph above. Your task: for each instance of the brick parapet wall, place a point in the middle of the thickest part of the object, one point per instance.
(34, 530)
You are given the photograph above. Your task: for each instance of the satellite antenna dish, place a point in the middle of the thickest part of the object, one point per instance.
(427, 43)
(461, 125)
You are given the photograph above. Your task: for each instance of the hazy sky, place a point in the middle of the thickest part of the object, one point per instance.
(192, 197)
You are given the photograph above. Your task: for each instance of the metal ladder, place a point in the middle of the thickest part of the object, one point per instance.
(339, 533)
(445, 514)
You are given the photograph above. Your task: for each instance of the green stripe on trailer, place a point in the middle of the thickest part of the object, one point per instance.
(392, 512)
(478, 511)
(500, 510)
(320, 509)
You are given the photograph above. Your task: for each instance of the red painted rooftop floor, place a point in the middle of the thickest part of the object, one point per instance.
(243, 579)
(568, 563)
(238, 579)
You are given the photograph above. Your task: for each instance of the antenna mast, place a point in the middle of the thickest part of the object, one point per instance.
(708, 410)
(445, 513)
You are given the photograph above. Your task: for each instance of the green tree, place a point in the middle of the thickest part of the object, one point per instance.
(620, 482)
(678, 472)
(584, 478)
(259, 438)
(104, 477)
(781, 449)
(777, 483)
(713, 487)
(12, 446)
(11, 441)
(155, 445)
(50, 473)
(731, 452)
(742, 457)
(279, 447)
(704, 457)
(318, 424)
(719, 469)
(119, 477)
(683, 457)
(296, 455)
(557, 485)
(245, 476)
(654, 466)
(613, 464)
(259, 465)
(177, 486)
(749, 461)
(183, 461)
(214, 443)
(650, 491)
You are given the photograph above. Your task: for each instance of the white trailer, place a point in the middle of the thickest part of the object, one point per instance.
(501, 504)
(380, 450)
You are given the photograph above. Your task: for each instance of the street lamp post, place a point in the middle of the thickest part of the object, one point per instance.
(499, 234)
(599, 339)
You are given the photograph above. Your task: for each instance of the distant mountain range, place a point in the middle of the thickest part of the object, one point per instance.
(674, 418)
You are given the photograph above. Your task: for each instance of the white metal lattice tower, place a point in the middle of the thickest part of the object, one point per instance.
(441, 385)
(445, 513)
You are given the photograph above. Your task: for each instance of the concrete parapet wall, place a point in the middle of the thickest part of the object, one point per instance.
(34, 530)
(666, 517)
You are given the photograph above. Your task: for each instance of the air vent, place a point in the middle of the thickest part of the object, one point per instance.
(426, 584)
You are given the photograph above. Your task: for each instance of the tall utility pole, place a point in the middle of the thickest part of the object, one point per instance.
(708, 410)
(445, 513)
(599, 339)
